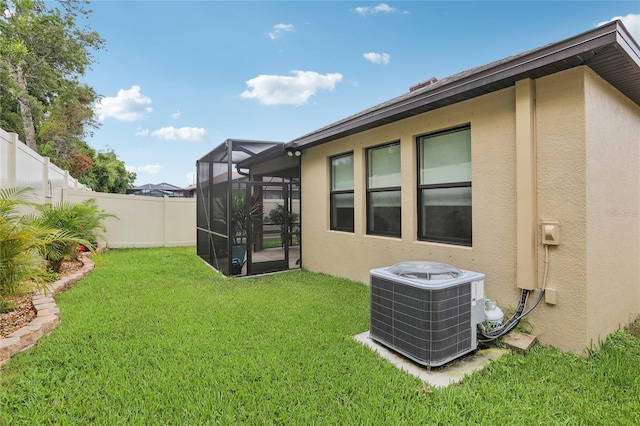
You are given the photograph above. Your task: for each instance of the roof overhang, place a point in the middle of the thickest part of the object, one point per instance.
(609, 50)
(239, 151)
(241, 156)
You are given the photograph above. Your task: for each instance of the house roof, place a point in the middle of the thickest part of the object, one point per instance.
(157, 186)
(609, 50)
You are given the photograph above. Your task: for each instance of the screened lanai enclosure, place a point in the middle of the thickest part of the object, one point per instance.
(248, 208)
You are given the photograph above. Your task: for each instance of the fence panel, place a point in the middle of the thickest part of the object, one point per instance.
(6, 159)
(143, 221)
(180, 221)
(20, 166)
(57, 178)
(29, 169)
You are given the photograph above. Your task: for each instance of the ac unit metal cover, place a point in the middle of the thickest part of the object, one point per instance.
(427, 311)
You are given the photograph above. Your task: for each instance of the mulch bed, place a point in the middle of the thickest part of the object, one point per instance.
(25, 312)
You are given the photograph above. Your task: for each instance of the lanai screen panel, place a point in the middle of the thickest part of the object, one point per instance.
(219, 181)
(204, 249)
(213, 172)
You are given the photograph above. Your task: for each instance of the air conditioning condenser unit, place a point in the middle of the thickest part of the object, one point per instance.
(426, 311)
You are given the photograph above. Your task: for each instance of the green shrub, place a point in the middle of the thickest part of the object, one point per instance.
(6, 306)
(20, 242)
(27, 241)
(82, 222)
(277, 217)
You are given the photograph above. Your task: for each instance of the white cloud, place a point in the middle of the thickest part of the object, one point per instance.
(279, 30)
(381, 8)
(127, 105)
(286, 90)
(377, 58)
(152, 169)
(189, 134)
(142, 132)
(630, 21)
(176, 115)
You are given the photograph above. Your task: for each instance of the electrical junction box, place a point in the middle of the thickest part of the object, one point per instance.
(550, 232)
(550, 296)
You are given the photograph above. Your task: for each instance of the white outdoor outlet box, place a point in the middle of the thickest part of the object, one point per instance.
(550, 232)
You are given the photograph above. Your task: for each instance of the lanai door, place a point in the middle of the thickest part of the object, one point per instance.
(272, 240)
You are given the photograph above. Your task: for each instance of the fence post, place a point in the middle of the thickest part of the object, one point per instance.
(47, 191)
(165, 205)
(13, 159)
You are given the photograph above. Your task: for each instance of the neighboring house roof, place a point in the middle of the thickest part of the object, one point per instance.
(158, 190)
(158, 186)
(608, 50)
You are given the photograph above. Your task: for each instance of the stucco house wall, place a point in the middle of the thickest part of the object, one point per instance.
(561, 187)
(612, 207)
(583, 129)
(352, 255)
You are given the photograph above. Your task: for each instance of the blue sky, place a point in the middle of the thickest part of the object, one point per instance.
(177, 78)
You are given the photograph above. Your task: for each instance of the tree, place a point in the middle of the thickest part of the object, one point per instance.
(10, 118)
(61, 136)
(42, 54)
(277, 216)
(108, 174)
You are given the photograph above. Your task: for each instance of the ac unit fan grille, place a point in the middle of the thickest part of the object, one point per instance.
(431, 326)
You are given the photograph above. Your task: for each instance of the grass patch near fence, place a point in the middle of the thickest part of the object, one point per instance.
(157, 337)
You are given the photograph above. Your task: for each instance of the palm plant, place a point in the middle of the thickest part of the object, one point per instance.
(80, 221)
(24, 241)
(19, 256)
(242, 214)
(239, 213)
(21, 242)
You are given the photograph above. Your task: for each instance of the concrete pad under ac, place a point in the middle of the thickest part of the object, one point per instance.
(440, 377)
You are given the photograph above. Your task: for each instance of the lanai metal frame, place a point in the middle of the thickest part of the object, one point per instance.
(230, 206)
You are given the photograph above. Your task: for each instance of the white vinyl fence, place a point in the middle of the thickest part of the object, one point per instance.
(20, 166)
(142, 221)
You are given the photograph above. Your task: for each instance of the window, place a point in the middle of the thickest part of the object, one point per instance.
(342, 192)
(444, 187)
(383, 190)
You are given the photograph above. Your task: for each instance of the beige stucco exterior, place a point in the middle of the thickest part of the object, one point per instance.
(613, 207)
(563, 147)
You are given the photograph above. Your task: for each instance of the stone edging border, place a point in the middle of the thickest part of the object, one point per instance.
(48, 314)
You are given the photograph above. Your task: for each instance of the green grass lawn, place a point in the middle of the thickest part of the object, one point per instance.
(156, 337)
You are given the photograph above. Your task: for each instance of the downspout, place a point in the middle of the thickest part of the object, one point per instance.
(241, 173)
(526, 185)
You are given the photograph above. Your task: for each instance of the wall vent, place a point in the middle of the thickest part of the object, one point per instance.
(426, 311)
